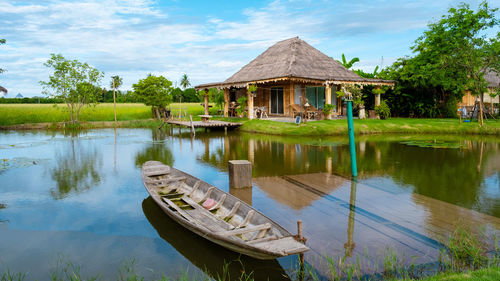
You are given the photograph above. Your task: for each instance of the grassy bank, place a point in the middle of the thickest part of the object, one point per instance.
(44, 116)
(373, 126)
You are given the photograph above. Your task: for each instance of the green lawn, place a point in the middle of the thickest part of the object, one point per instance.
(14, 114)
(370, 126)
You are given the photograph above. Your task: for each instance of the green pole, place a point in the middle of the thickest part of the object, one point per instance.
(352, 147)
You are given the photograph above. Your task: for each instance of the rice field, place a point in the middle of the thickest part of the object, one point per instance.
(13, 114)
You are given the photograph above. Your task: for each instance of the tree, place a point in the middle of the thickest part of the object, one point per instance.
(185, 82)
(2, 89)
(74, 82)
(459, 51)
(116, 82)
(348, 64)
(155, 91)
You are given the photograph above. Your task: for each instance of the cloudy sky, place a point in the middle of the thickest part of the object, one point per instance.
(207, 40)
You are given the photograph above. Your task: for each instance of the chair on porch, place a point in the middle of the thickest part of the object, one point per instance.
(295, 111)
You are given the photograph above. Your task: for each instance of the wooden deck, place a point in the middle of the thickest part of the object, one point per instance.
(201, 124)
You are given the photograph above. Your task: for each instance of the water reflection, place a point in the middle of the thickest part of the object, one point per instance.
(350, 245)
(208, 256)
(77, 169)
(157, 150)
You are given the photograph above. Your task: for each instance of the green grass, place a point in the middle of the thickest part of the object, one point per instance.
(485, 274)
(372, 126)
(139, 115)
(14, 114)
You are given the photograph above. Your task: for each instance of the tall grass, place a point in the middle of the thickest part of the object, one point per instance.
(13, 114)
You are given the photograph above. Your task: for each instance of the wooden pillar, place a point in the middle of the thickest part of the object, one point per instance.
(328, 97)
(249, 104)
(206, 104)
(377, 97)
(226, 102)
(240, 173)
(339, 102)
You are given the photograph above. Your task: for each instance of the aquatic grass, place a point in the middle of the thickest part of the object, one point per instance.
(10, 276)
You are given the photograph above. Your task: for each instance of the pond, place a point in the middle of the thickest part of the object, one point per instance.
(78, 198)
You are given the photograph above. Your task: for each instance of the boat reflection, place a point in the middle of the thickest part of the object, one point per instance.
(207, 256)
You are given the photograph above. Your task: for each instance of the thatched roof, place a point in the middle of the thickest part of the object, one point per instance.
(293, 58)
(493, 79)
(2, 89)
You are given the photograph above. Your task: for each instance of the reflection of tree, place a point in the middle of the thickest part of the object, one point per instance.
(157, 152)
(77, 170)
(449, 175)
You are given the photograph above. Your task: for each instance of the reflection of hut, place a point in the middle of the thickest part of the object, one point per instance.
(294, 191)
(285, 74)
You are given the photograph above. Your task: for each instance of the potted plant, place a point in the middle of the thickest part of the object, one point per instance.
(328, 110)
(252, 89)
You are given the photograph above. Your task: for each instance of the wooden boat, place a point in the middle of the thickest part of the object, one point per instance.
(216, 215)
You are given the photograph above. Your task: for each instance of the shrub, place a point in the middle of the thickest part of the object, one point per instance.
(451, 106)
(328, 109)
(383, 110)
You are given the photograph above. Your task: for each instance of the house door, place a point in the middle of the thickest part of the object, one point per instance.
(276, 100)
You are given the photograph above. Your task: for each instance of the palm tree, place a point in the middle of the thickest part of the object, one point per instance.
(349, 64)
(185, 82)
(116, 82)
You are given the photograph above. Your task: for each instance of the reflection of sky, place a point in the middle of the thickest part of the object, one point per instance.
(107, 220)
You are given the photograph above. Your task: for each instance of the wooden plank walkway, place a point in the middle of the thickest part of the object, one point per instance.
(362, 219)
(200, 124)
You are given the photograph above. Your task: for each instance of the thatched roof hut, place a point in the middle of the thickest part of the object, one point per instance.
(293, 69)
(293, 58)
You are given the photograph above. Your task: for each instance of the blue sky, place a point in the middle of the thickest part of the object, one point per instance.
(208, 40)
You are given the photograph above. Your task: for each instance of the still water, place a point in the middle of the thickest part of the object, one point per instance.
(78, 198)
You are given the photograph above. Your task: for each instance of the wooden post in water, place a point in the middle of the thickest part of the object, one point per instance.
(301, 239)
(240, 173)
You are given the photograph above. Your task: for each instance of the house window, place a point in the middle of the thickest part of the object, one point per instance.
(277, 100)
(316, 96)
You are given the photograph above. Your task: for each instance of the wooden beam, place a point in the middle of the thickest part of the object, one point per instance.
(206, 104)
(245, 230)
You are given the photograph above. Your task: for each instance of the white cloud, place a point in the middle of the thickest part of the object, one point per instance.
(134, 37)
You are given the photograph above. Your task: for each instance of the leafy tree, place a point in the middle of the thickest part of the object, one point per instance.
(155, 91)
(460, 51)
(2, 41)
(2, 89)
(451, 57)
(74, 82)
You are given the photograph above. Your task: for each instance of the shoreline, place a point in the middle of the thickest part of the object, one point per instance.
(311, 129)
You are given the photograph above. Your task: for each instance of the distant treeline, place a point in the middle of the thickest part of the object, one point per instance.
(187, 95)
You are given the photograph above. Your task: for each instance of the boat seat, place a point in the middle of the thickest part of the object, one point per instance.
(232, 212)
(240, 231)
(168, 180)
(247, 219)
(209, 191)
(219, 204)
(195, 187)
